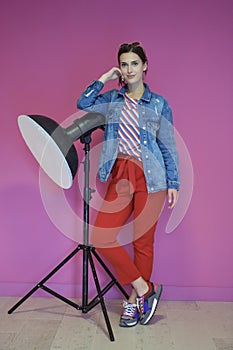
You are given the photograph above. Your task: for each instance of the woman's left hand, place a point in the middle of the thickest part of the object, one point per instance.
(172, 197)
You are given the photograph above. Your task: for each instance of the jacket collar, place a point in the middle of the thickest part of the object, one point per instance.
(145, 97)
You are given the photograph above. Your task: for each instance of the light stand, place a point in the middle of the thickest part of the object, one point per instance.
(88, 251)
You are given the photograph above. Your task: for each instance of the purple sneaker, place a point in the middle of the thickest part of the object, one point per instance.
(148, 305)
(130, 316)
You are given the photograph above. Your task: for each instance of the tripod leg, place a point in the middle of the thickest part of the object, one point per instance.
(101, 297)
(40, 284)
(85, 280)
(23, 299)
(109, 273)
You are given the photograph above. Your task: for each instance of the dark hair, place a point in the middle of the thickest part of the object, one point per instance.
(132, 47)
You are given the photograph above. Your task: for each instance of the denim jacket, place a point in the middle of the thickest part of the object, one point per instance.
(158, 147)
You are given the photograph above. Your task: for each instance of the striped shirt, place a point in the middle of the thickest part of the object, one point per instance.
(128, 133)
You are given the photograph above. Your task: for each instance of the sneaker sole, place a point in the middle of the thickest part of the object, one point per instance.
(147, 317)
(125, 325)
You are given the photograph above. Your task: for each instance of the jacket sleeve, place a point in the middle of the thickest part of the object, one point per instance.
(167, 145)
(92, 100)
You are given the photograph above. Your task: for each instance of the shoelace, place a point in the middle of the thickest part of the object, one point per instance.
(140, 304)
(129, 309)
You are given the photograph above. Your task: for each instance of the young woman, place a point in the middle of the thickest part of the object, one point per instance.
(139, 152)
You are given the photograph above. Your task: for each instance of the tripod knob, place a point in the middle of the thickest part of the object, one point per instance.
(91, 190)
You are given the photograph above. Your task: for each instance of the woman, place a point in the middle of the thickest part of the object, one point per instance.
(139, 152)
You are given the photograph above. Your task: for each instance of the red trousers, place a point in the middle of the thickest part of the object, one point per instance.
(127, 194)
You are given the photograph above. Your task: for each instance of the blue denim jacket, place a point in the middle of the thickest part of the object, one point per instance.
(158, 148)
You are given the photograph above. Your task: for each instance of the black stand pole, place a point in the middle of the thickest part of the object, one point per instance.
(88, 251)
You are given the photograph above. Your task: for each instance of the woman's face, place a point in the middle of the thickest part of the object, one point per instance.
(132, 67)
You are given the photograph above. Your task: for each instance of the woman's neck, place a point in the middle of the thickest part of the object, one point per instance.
(135, 90)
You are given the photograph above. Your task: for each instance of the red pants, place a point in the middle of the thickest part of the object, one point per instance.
(127, 193)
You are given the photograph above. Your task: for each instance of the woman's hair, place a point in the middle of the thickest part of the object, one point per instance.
(132, 47)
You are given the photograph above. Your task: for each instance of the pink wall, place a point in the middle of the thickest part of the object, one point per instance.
(50, 51)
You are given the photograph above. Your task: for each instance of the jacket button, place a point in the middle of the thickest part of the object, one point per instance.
(149, 171)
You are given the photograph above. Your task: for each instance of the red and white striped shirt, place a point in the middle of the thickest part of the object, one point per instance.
(128, 133)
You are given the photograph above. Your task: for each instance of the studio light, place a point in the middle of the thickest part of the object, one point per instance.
(52, 145)
(53, 148)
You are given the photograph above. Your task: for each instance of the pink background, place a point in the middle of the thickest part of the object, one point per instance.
(50, 51)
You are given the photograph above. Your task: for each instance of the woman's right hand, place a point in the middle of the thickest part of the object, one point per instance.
(112, 74)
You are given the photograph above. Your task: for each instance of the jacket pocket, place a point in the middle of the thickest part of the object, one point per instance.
(152, 126)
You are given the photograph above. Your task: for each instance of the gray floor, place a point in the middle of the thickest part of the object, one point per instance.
(47, 323)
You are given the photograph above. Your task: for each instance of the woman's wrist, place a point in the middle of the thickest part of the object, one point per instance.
(103, 79)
